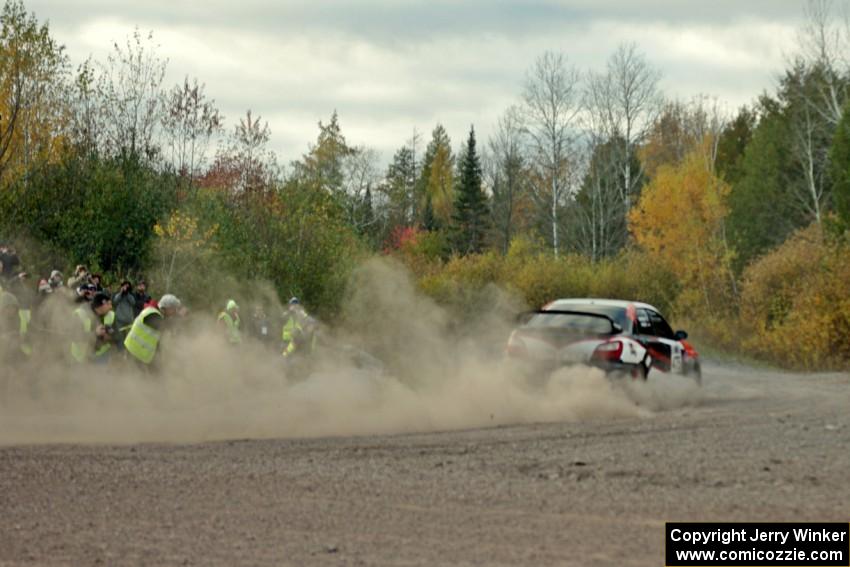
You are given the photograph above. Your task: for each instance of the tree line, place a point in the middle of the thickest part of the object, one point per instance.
(106, 165)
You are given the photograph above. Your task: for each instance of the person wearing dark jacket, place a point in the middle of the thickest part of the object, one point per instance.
(124, 305)
(10, 262)
(84, 294)
(97, 281)
(141, 295)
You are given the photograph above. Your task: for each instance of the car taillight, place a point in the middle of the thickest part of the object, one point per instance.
(689, 349)
(516, 346)
(608, 351)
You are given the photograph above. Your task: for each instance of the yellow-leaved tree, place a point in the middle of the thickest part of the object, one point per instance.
(181, 244)
(33, 109)
(679, 222)
(795, 306)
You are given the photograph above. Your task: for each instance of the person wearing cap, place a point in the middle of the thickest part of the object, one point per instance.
(95, 334)
(55, 279)
(142, 342)
(80, 277)
(85, 293)
(229, 319)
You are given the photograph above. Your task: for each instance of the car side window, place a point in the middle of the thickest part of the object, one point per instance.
(644, 324)
(660, 327)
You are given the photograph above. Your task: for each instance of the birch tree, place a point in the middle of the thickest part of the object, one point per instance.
(507, 177)
(623, 103)
(811, 134)
(824, 43)
(189, 122)
(361, 177)
(551, 106)
(599, 221)
(130, 92)
(244, 163)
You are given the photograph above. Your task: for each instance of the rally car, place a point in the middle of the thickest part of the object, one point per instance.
(618, 336)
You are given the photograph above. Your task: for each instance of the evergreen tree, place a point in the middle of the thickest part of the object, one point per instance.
(397, 188)
(732, 144)
(323, 166)
(840, 157)
(429, 221)
(782, 182)
(762, 206)
(437, 179)
(368, 226)
(471, 215)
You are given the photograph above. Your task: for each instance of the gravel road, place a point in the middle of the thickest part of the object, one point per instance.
(756, 445)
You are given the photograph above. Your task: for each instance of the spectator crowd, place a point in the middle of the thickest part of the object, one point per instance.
(81, 321)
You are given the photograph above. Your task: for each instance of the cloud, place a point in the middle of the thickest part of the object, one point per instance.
(391, 66)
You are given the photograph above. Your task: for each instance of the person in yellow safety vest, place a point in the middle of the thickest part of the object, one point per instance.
(13, 331)
(24, 319)
(142, 342)
(293, 333)
(95, 334)
(232, 323)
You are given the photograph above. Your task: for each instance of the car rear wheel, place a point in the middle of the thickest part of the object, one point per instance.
(695, 372)
(639, 371)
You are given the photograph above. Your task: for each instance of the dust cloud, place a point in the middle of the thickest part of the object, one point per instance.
(396, 362)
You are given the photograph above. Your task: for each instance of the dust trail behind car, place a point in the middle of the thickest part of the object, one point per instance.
(438, 374)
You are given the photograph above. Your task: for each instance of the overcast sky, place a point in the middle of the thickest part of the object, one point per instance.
(389, 66)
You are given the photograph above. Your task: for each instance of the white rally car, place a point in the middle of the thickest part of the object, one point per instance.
(617, 336)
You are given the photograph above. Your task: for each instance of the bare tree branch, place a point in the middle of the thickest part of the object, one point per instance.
(551, 107)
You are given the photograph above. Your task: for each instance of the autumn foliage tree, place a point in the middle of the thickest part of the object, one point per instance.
(795, 309)
(679, 222)
(33, 67)
(437, 180)
(181, 243)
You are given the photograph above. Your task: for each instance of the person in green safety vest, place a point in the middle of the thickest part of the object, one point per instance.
(294, 335)
(95, 333)
(142, 342)
(106, 332)
(13, 330)
(25, 293)
(24, 320)
(229, 319)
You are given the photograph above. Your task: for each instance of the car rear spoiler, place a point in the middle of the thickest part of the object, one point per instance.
(523, 318)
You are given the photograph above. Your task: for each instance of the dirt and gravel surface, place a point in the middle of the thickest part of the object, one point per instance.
(756, 445)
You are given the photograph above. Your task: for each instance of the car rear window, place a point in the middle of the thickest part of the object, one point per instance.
(584, 324)
(617, 314)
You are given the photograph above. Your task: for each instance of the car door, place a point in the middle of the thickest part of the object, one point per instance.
(665, 342)
(655, 333)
